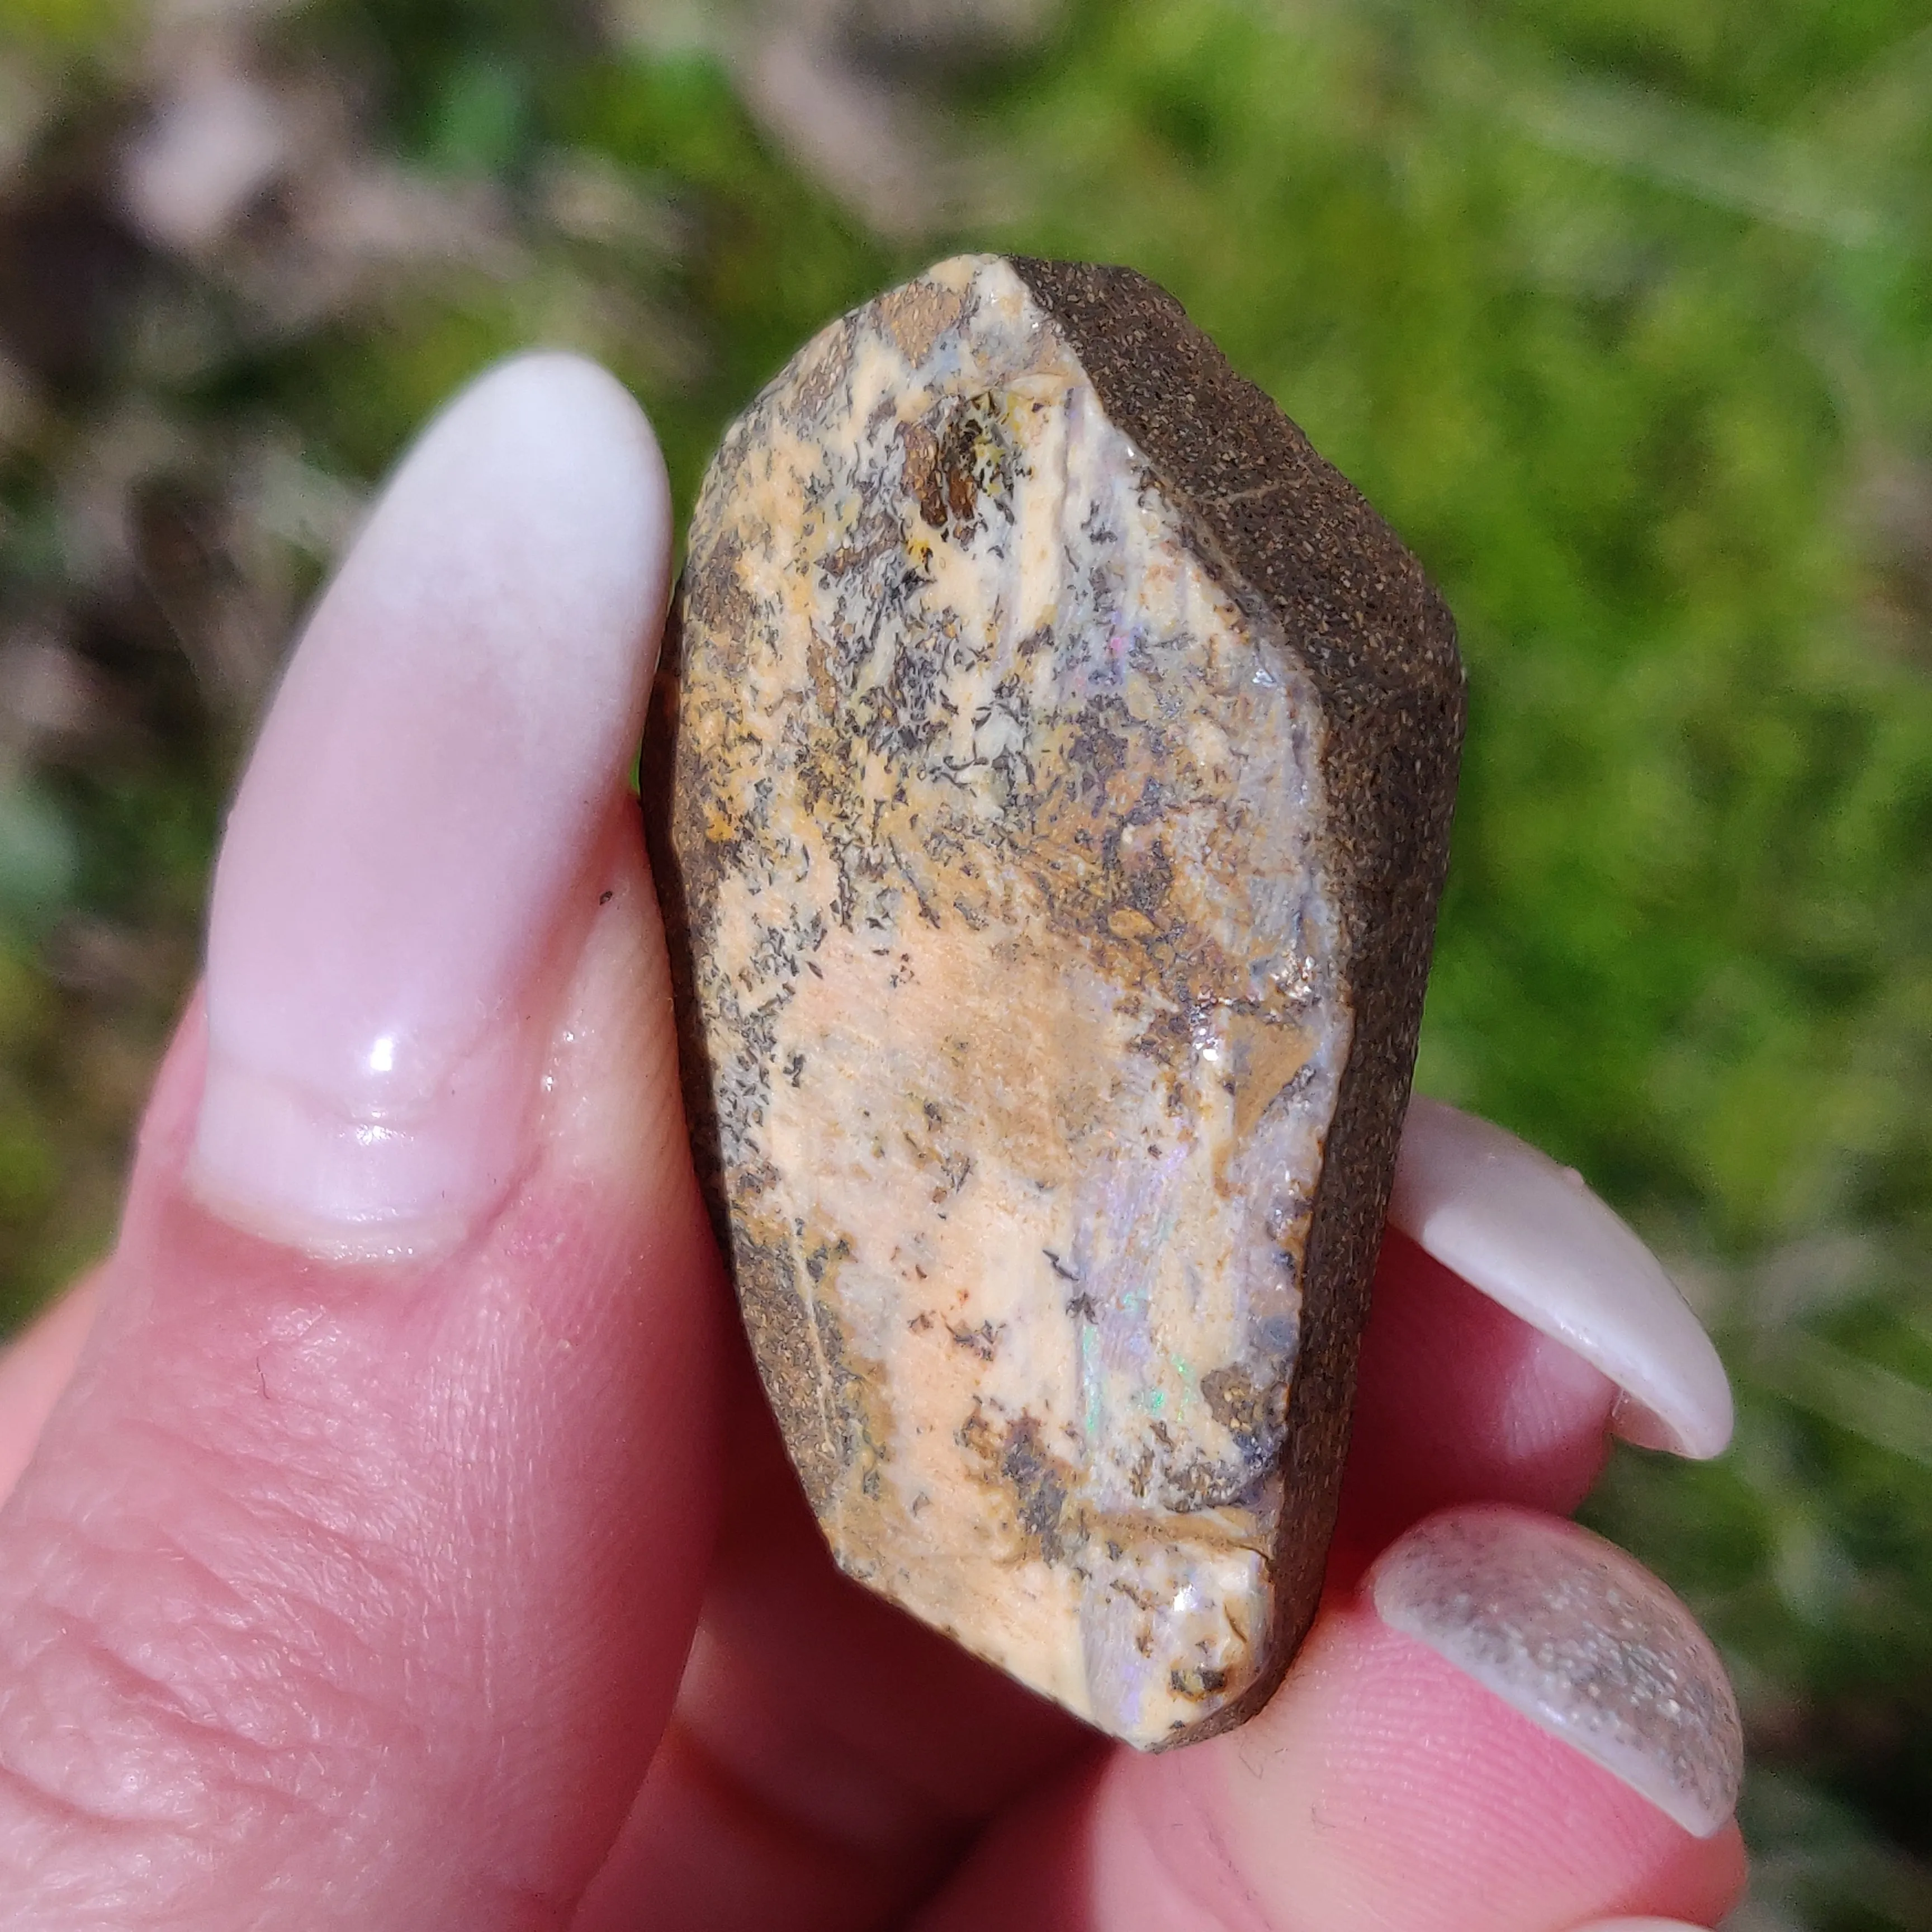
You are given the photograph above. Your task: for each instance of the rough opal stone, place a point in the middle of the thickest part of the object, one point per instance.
(1051, 777)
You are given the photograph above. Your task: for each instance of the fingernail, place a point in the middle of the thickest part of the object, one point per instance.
(1640, 1925)
(1581, 1640)
(447, 739)
(1531, 1235)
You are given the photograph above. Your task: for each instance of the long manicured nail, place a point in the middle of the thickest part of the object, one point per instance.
(1531, 1235)
(1582, 1640)
(449, 740)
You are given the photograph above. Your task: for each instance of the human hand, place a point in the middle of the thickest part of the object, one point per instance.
(407, 1439)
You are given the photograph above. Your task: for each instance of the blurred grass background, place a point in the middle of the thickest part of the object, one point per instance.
(1621, 310)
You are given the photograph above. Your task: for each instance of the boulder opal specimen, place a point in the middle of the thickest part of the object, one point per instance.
(1051, 775)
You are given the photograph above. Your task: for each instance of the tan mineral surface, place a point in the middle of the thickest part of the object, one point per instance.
(1015, 940)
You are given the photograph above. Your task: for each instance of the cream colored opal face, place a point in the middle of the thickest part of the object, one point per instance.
(1018, 1009)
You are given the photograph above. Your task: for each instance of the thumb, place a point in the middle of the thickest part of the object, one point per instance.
(351, 1579)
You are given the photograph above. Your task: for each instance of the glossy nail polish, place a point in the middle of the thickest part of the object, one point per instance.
(1530, 1234)
(453, 728)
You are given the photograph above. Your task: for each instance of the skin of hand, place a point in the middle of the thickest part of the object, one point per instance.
(396, 1536)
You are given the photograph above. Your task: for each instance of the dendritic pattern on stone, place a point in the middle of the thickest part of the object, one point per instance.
(1019, 1019)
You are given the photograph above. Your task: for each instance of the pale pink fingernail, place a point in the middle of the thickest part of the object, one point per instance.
(1531, 1235)
(450, 736)
(1582, 1640)
(1640, 1925)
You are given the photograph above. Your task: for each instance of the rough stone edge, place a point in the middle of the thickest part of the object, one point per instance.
(659, 797)
(1279, 527)
(686, 871)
